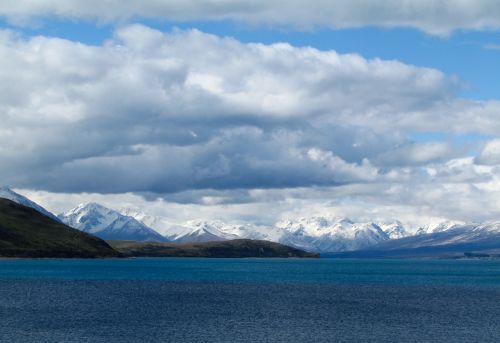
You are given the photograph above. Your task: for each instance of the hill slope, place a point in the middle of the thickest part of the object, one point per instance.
(7, 193)
(24, 232)
(233, 248)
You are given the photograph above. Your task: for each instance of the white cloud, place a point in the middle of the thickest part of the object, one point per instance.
(156, 112)
(226, 130)
(436, 17)
(417, 154)
(490, 155)
(421, 201)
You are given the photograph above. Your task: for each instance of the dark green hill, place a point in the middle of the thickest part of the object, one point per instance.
(233, 248)
(25, 232)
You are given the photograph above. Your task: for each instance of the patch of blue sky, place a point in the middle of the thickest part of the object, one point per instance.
(75, 30)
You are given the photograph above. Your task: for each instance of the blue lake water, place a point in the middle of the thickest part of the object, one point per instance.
(249, 300)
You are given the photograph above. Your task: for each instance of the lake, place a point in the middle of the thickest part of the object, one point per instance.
(249, 300)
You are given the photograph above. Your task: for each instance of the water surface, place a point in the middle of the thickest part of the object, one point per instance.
(249, 300)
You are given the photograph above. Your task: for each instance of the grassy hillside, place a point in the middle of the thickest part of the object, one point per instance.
(25, 232)
(233, 248)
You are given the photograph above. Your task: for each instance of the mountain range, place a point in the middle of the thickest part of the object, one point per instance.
(315, 234)
(454, 241)
(27, 233)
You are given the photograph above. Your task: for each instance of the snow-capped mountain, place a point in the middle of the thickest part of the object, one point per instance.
(9, 194)
(319, 234)
(159, 224)
(395, 229)
(203, 230)
(330, 234)
(314, 234)
(439, 227)
(453, 241)
(457, 234)
(109, 224)
(198, 230)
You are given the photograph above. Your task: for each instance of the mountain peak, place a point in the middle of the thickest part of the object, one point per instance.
(93, 206)
(85, 208)
(7, 191)
(108, 224)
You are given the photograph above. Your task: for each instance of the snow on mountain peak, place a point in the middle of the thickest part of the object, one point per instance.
(395, 229)
(329, 233)
(439, 226)
(108, 224)
(492, 227)
(315, 233)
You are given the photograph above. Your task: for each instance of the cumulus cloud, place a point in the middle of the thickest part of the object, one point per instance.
(155, 112)
(490, 154)
(209, 125)
(417, 154)
(435, 17)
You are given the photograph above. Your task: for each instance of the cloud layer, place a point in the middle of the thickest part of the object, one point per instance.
(436, 17)
(209, 121)
(154, 112)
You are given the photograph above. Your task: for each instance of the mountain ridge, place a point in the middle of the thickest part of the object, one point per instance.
(456, 241)
(316, 233)
(8, 193)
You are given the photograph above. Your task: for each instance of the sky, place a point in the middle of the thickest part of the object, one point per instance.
(249, 111)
